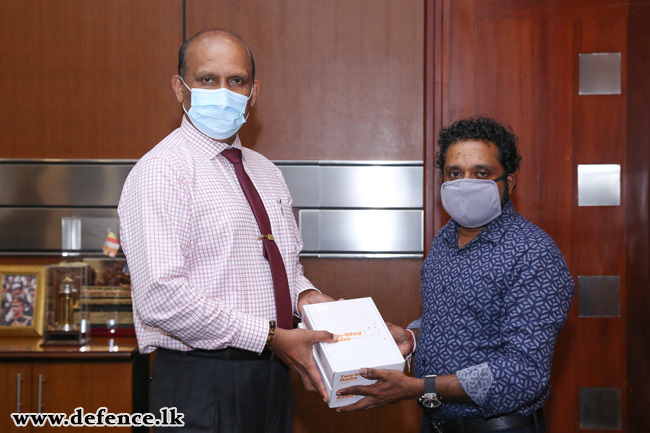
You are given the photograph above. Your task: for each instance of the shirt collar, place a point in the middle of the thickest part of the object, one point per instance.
(492, 232)
(208, 147)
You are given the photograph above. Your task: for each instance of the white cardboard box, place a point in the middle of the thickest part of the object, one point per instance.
(364, 342)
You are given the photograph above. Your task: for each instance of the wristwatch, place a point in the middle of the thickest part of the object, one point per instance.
(429, 399)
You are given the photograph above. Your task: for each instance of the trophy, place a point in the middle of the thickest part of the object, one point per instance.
(67, 307)
(66, 295)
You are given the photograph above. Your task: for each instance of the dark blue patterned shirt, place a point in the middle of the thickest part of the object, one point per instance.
(491, 312)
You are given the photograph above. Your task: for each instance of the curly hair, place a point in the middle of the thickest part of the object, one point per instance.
(482, 129)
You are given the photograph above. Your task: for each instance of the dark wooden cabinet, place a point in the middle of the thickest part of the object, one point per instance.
(59, 380)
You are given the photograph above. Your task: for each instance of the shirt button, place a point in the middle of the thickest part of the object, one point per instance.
(424, 363)
(432, 326)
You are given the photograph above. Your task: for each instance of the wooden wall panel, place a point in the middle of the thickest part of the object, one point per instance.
(434, 112)
(459, 100)
(87, 79)
(551, 8)
(340, 80)
(637, 189)
(599, 137)
(515, 83)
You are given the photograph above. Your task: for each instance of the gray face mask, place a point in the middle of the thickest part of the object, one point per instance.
(471, 203)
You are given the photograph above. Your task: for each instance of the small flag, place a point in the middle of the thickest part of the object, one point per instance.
(112, 244)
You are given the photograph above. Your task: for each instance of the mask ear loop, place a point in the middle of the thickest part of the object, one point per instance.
(185, 84)
(506, 185)
(500, 178)
(188, 88)
(247, 99)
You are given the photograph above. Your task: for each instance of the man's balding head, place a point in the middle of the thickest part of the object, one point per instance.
(219, 33)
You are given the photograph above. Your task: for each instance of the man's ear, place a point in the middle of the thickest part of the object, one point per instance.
(256, 89)
(512, 182)
(178, 87)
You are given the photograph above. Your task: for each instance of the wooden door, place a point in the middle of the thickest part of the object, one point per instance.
(15, 382)
(66, 386)
(518, 61)
(637, 209)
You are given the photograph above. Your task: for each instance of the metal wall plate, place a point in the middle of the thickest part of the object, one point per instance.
(599, 296)
(600, 408)
(600, 74)
(599, 185)
(354, 185)
(362, 231)
(346, 208)
(30, 231)
(62, 183)
(304, 183)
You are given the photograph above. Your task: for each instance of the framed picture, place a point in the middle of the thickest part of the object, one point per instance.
(23, 300)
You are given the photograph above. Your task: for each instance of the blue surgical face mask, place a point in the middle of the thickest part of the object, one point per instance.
(471, 203)
(218, 113)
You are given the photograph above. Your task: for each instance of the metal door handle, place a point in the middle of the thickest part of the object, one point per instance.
(18, 402)
(40, 392)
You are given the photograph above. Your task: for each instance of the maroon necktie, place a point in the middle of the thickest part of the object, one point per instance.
(271, 252)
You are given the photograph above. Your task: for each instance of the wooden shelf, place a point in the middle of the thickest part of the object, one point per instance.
(106, 349)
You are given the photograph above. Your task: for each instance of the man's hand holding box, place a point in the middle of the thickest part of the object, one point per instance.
(364, 341)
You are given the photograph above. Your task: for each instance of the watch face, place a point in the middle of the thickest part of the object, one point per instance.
(428, 401)
(433, 403)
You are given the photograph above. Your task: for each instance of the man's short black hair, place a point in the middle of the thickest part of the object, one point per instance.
(183, 50)
(482, 129)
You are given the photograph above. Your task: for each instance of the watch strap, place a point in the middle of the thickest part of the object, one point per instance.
(430, 384)
(430, 399)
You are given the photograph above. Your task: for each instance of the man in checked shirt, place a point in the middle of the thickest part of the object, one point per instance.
(203, 292)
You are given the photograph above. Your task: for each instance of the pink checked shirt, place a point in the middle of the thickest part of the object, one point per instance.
(199, 277)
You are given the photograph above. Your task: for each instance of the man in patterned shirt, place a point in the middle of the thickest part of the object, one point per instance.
(202, 287)
(495, 294)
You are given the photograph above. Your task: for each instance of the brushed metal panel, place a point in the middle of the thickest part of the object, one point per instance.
(39, 230)
(600, 408)
(369, 231)
(47, 205)
(600, 74)
(87, 184)
(599, 296)
(599, 185)
(363, 255)
(372, 187)
(304, 184)
(90, 184)
(349, 185)
(342, 162)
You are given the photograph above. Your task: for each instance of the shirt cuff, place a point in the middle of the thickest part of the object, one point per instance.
(415, 324)
(302, 285)
(476, 381)
(252, 335)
